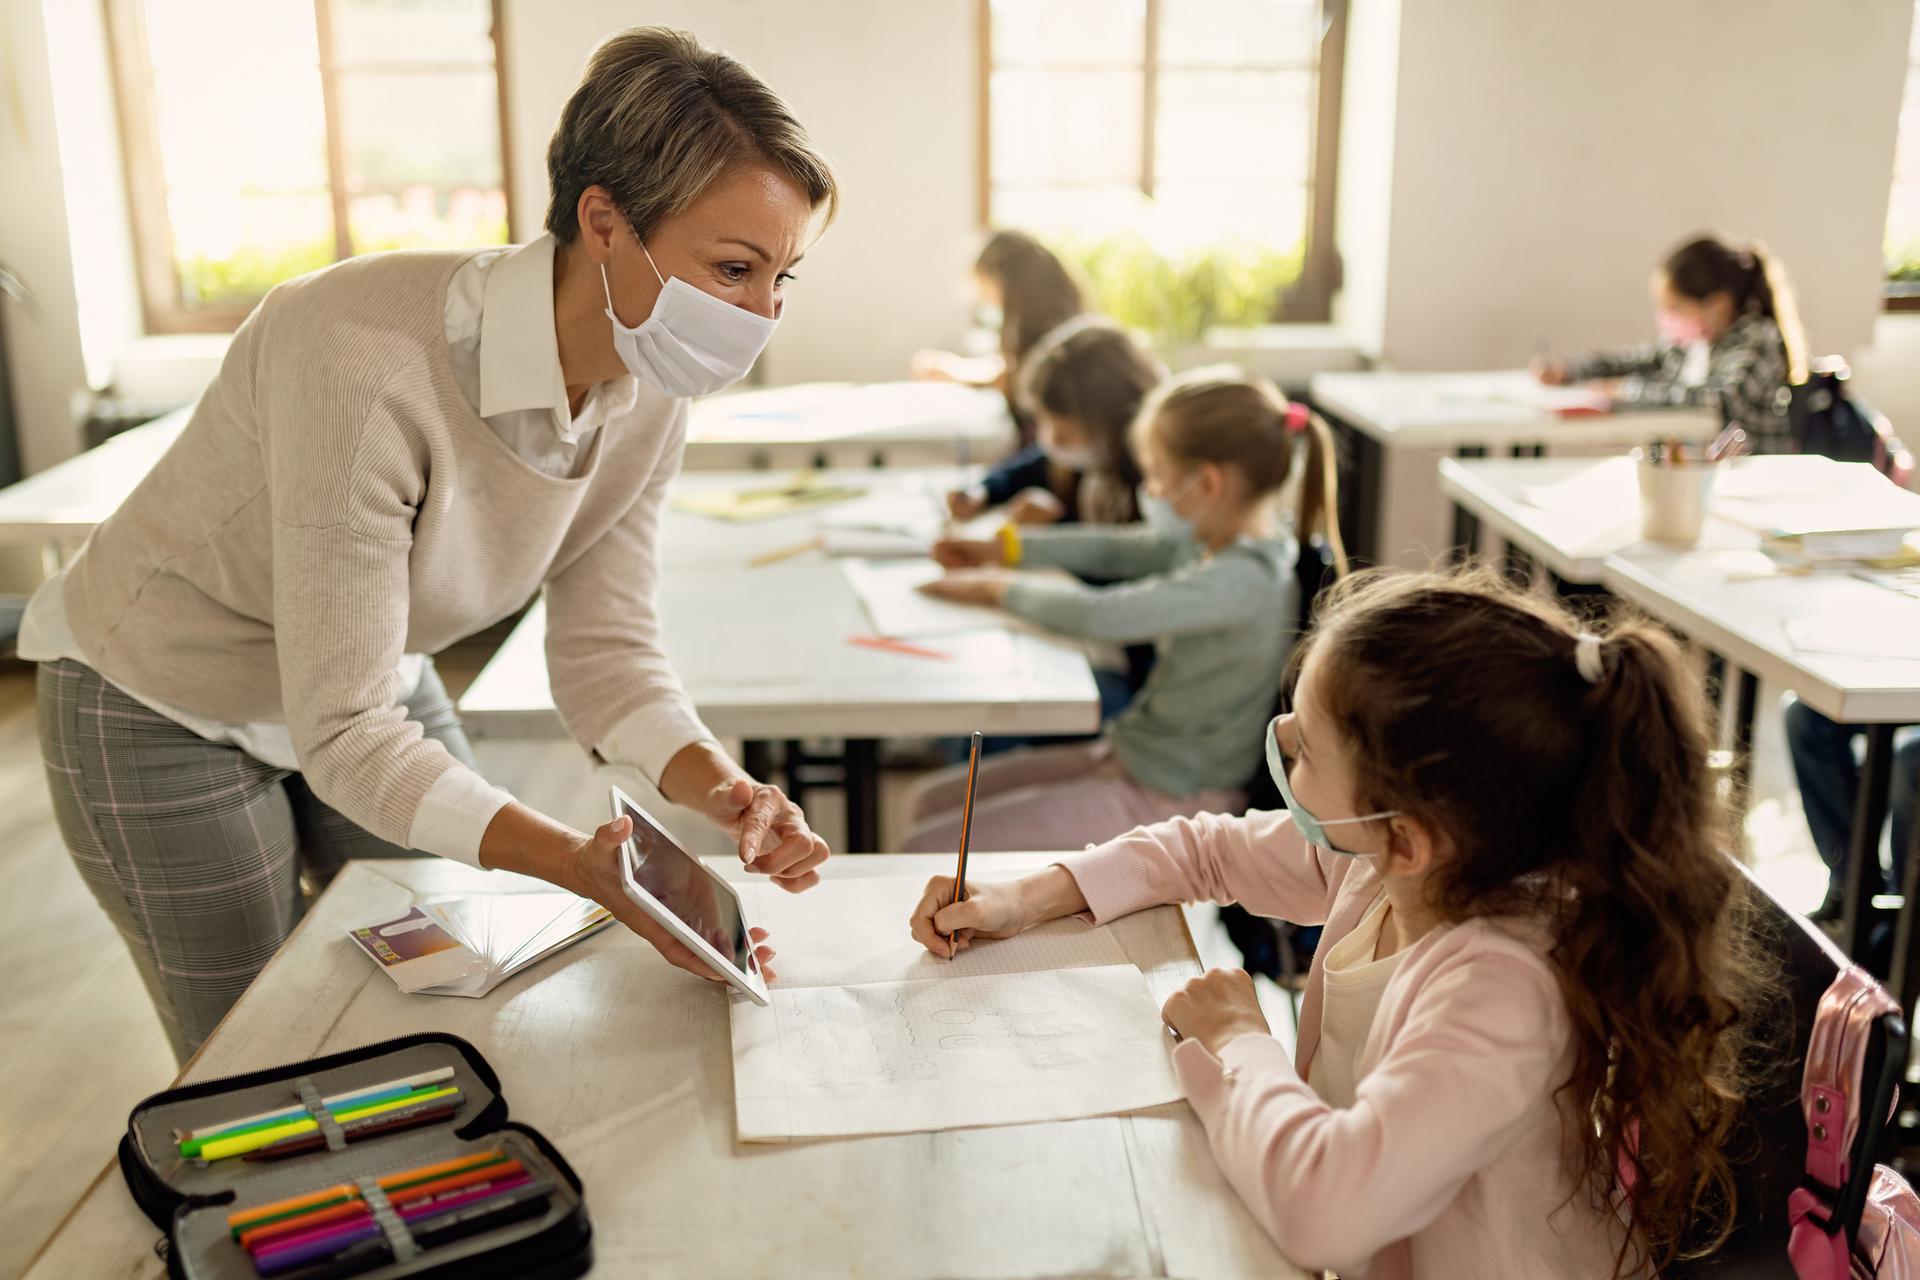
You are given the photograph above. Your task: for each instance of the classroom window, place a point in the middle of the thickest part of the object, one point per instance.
(266, 138)
(1903, 202)
(1179, 151)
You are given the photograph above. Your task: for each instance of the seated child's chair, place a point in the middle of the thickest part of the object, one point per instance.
(1838, 1049)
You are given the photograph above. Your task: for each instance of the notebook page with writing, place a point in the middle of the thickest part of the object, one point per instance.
(870, 1033)
(953, 1053)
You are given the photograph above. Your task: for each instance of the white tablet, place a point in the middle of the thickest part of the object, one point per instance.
(695, 904)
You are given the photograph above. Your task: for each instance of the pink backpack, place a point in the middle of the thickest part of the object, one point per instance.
(1886, 1243)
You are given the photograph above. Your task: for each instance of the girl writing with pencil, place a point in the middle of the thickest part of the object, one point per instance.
(1208, 580)
(1729, 339)
(1536, 974)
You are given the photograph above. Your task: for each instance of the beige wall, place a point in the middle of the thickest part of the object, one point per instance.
(1546, 155)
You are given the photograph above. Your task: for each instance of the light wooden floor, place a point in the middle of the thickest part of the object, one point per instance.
(79, 1043)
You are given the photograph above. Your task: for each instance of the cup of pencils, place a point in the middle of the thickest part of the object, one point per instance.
(1676, 486)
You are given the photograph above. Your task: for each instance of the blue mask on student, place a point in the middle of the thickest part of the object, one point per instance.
(1159, 516)
(1311, 827)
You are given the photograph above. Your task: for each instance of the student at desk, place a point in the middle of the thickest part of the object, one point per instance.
(1536, 971)
(1026, 292)
(398, 452)
(1729, 339)
(1209, 581)
(1829, 780)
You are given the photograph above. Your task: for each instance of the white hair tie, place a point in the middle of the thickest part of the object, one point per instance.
(1586, 657)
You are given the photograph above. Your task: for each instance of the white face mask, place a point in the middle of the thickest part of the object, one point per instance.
(692, 344)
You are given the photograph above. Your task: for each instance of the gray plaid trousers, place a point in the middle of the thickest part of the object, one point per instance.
(194, 848)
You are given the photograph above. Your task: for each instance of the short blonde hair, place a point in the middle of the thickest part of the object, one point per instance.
(657, 118)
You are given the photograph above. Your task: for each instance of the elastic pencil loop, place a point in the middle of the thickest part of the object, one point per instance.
(329, 1127)
(399, 1239)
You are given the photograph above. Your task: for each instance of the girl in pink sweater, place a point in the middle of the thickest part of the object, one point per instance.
(1532, 982)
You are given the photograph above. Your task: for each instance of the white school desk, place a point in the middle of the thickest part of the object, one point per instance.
(63, 503)
(1569, 514)
(1469, 414)
(926, 424)
(848, 424)
(626, 1065)
(764, 655)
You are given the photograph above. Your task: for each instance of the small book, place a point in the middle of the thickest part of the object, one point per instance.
(467, 946)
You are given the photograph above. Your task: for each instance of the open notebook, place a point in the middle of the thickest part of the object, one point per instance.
(867, 1033)
(467, 946)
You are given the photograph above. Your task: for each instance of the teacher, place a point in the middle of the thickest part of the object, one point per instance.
(398, 452)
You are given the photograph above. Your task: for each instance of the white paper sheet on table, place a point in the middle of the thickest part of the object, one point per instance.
(1894, 636)
(890, 593)
(867, 1033)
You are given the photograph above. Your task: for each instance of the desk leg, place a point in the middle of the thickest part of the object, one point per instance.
(1863, 853)
(1466, 525)
(756, 757)
(793, 754)
(1906, 947)
(863, 795)
(1742, 766)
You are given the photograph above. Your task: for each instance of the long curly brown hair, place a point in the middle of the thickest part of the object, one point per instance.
(1588, 804)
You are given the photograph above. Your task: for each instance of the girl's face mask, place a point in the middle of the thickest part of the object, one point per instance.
(1313, 828)
(1680, 328)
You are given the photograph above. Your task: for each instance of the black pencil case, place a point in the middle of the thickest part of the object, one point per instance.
(190, 1199)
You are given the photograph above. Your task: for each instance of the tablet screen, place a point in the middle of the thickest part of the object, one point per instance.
(704, 903)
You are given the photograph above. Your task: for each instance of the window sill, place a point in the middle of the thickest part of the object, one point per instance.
(168, 369)
(1290, 354)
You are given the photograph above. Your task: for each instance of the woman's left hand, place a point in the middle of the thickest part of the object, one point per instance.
(1217, 1007)
(773, 833)
(986, 586)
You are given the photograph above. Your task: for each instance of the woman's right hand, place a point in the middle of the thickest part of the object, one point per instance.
(966, 553)
(993, 909)
(1551, 373)
(593, 871)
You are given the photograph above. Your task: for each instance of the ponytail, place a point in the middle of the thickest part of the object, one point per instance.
(1641, 944)
(1570, 771)
(1784, 309)
(1320, 491)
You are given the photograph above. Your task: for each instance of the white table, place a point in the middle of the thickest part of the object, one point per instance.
(1467, 414)
(764, 652)
(65, 502)
(925, 424)
(625, 1064)
(1569, 514)
(849, 424)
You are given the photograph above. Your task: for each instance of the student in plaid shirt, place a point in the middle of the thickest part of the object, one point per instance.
(1726, 320)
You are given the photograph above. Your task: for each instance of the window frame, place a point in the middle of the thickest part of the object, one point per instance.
(1310, 299)
(163, 309)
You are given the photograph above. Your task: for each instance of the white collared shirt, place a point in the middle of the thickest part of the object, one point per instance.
(501, 343)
